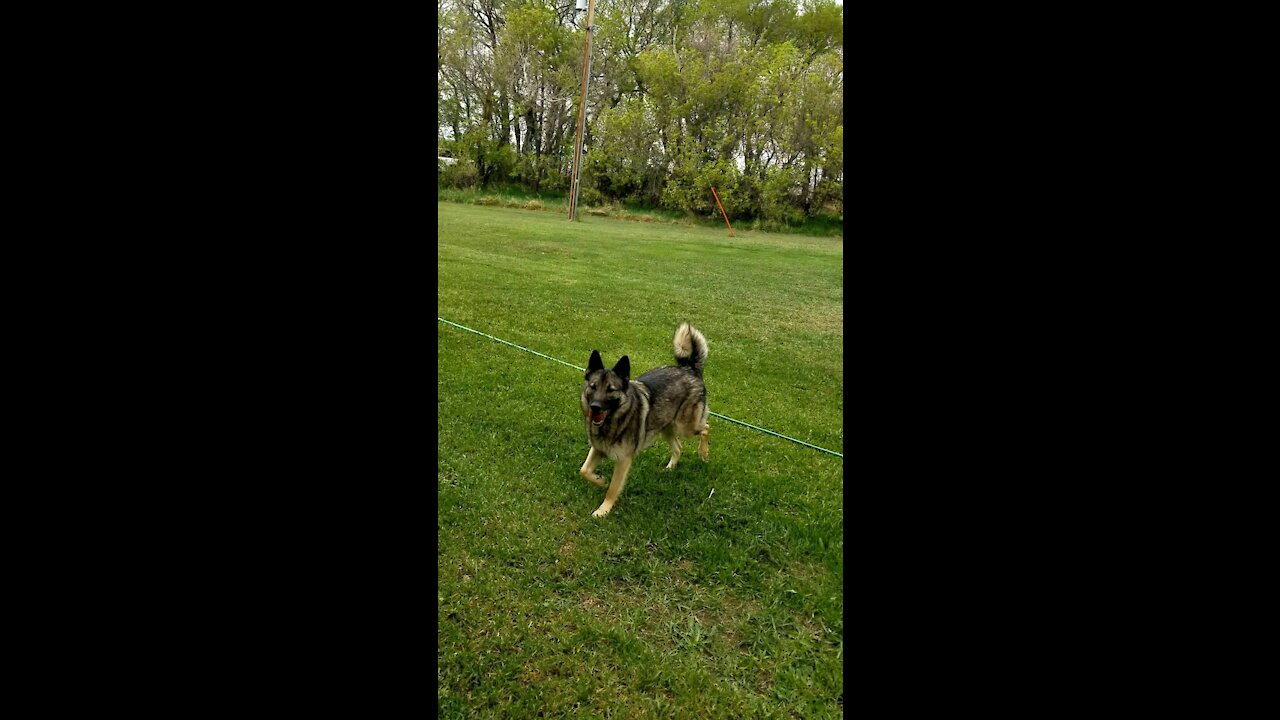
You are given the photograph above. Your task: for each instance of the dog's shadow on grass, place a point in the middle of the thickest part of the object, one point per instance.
(670, 524)
(678, 504)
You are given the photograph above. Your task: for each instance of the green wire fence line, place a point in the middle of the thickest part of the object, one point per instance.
(575, 367)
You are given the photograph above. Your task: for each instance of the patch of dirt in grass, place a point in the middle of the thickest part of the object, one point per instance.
(731, 618)
(733, 639)
(530, 674)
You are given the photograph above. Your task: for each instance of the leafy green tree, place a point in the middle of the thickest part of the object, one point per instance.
(742, 94)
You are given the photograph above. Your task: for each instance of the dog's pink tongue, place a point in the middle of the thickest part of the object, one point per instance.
(597, 417)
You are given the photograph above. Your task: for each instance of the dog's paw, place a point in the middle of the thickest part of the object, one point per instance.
(704, 455)
(602, 511)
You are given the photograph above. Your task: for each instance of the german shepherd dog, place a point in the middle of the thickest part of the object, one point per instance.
(625, 416)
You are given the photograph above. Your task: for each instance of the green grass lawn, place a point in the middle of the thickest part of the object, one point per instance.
(682, 602)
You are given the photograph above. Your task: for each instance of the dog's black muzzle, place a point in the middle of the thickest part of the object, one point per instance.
(598, 414)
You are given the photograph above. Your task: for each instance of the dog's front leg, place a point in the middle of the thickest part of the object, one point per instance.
(588, 471)
(615, 488)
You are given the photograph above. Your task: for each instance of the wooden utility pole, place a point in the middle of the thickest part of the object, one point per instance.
(576, 177)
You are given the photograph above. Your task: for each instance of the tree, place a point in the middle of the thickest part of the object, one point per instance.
(745, 94)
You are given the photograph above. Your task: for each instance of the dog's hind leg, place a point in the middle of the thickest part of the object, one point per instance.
(588, 471)
(615, 488)
(673, 440)
(703, 450)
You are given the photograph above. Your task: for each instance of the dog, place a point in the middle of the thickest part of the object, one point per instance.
(624, 416)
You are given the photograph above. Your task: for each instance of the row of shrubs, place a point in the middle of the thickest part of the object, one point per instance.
(507, 202)
(459, 183)
(610, 210)
(769, 202)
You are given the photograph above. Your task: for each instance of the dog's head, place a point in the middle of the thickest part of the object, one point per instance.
(604, 390)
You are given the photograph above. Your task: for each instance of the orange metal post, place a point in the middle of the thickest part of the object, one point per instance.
(726, 217)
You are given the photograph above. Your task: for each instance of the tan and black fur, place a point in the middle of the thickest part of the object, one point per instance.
(624, 416)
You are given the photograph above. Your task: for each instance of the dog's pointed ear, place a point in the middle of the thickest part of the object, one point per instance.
(595, 363)
(623, 368)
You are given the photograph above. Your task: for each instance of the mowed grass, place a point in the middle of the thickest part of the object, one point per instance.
(683, 602)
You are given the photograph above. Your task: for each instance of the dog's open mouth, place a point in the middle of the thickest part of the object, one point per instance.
(597, 418)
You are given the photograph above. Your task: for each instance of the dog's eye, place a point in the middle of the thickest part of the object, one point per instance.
(592, 385)
(613, 389)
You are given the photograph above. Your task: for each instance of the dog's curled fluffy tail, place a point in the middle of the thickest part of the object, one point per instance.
(691, 348)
